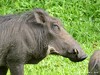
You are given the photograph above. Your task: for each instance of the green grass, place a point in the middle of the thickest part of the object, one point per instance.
(81, 18)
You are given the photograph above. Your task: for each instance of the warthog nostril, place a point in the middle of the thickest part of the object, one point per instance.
(75, 51)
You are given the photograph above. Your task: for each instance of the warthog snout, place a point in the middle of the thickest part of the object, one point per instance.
(80, 58)
(76, 56)
(72, 51)
(83, 57)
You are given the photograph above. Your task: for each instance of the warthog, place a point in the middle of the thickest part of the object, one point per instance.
(94, 63)
(29, 37)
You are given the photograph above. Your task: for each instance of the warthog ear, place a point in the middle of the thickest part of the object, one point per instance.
(40, 16)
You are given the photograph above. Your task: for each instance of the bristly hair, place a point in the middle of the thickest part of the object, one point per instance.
(40, 32)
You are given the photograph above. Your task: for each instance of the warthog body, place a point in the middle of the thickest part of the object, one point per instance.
(94, 63)
(29, 37)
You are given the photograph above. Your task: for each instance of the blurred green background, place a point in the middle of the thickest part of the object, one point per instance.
(81, 18)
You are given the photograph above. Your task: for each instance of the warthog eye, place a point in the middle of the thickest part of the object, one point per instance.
(55, 27)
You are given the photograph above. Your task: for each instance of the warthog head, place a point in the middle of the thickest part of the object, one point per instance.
(60, 41)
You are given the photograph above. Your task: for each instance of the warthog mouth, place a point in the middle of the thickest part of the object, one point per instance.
(78, 59)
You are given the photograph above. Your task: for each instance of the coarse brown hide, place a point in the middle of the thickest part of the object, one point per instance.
(29, 37)
(94, 63)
